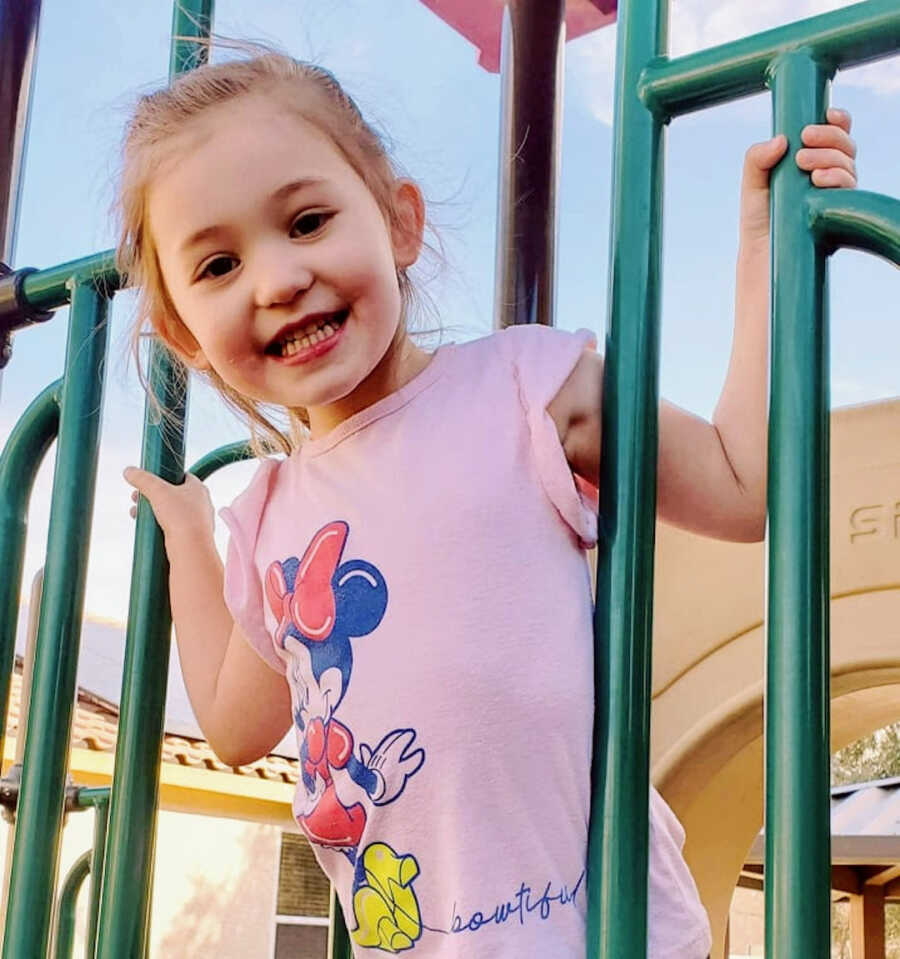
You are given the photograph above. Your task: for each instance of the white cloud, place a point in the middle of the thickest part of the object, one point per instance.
(698, 24)
(591, 68)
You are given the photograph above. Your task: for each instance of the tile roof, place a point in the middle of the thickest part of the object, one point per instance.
(95, 725)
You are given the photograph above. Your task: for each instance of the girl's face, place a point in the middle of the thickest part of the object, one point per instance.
(281, 265)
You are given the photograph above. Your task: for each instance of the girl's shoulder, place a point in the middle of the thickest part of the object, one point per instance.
(538, 358)
(245, 512)
(527, 345)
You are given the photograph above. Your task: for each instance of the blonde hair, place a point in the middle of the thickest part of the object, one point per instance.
(316, 97)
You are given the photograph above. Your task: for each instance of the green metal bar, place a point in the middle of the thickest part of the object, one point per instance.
(36, 849)
(855, 218)
(125, 895)
(339, 944)
(842, 38)
(22, 457)
(223, 456)
(68, 899)
(98, 796)
(101, 818)
(798, 849)
(617, 863)
(126, 891)
(51, 288)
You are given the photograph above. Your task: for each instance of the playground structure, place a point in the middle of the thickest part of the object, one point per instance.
(708, 676)
(796, 62)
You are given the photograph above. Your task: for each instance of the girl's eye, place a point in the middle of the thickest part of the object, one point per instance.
(217, 267)
(309, 223)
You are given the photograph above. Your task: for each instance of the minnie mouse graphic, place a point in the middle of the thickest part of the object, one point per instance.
(320, 604)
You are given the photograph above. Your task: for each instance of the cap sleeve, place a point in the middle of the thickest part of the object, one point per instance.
(243, 586)
(543, 358)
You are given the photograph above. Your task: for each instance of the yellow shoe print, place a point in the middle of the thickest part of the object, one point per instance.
(386, 909)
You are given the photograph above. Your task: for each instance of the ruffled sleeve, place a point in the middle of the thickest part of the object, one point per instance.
(543, 358)
(243, 585)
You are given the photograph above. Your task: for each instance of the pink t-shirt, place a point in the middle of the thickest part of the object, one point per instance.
(419, 575)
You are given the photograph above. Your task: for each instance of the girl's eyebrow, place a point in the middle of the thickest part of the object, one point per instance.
(281, 194)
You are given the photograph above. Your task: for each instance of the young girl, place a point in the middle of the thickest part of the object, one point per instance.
(408, 588)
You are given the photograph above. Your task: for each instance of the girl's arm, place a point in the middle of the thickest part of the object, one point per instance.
(712, 476)
(242, 705)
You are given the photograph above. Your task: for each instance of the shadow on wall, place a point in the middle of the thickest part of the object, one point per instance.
(228, 916)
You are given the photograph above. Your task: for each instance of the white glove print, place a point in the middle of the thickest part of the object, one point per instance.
(392, 764)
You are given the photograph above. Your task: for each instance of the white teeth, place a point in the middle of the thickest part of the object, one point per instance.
(295, 342)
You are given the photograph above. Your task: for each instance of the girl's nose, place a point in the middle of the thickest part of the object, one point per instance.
(280, 278)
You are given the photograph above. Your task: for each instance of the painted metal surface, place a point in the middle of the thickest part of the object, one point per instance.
(22, 457)
(49, 289)
(223, 456)
(339, 944)
(842, 38)
(856, 219)
(18, 41)
(68, 899)
(99, 799)
(35, 855)
(90, 862)
(617, 864)
(530, 128)
(126, 893)
(798, 861)
(479, 21)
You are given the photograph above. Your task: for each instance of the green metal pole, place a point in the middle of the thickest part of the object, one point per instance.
(22, 456)
(339, 945)
(36, 849)
(798, 846)
(101, 818)
(126, 891)
(68, 900)
(617, 864)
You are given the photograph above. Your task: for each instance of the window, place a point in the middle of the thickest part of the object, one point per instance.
(301, 920)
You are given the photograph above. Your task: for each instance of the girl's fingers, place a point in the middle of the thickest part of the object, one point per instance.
(759, 160)
(840, 118)
(821, 159)
(765, 155)
(828, 135)
(146, 483)
(833, 177)
(132, 512)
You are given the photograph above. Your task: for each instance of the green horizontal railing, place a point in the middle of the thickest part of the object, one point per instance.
(842, 38)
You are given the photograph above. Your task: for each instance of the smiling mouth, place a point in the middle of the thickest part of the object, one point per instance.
(315, 330)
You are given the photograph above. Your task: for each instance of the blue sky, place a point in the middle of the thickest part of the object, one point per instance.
(420, 82)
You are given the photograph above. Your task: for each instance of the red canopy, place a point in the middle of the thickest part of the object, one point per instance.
(479, 21)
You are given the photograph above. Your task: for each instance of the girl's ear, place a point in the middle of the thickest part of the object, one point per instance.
(408, 229)
(180, 339)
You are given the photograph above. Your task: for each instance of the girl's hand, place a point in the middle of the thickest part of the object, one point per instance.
(179, 510)
(828, 153)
